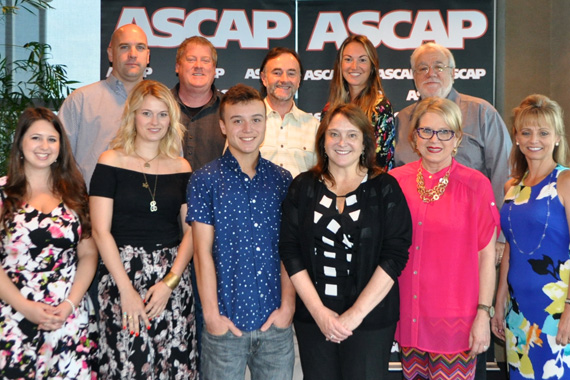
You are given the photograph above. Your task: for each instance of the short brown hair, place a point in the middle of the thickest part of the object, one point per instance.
(240, 93)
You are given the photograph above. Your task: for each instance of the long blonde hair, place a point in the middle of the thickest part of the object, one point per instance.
(171, 143)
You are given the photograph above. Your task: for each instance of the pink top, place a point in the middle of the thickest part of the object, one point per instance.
(439, 288)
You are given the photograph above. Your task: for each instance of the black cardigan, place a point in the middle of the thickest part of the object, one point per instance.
(384, 239)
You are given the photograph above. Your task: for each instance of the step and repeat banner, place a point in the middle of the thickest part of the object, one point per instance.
(243, 35)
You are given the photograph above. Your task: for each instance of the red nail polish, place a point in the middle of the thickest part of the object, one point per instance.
(124, 327)
(132, 332)
(148, 327)
(137, 334)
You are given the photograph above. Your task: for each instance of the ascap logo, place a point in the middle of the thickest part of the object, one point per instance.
(427, 26)
(254, 29)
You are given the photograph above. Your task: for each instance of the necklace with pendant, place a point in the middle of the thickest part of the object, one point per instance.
(431, 195)
(147, 163)
(153, 207)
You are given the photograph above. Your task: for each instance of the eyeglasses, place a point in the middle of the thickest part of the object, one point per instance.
(424, 69)
(442, 134)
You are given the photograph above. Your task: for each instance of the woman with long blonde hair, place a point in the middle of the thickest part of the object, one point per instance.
(138, 206)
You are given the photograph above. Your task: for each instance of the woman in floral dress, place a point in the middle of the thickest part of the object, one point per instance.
(533, 304)
(356, 80)
(138, 205)
(47, 327)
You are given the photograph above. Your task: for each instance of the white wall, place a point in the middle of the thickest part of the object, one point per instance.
(73, 30)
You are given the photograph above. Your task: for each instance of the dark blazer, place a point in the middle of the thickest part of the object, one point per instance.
(384, 239)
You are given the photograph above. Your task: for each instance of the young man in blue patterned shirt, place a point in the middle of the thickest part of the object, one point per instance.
(234, 206)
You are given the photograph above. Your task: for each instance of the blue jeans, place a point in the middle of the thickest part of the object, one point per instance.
(269, 355)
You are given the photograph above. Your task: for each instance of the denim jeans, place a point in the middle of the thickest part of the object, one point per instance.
(269, 355)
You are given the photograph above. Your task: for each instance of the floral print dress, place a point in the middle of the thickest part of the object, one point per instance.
(535, 225)
(384, 132)
(38, 253)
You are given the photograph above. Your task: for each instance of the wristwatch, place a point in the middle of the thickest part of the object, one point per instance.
(488, 309)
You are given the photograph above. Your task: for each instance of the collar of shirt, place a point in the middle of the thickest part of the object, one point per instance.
(229, 162)
(116, 85)
(295, 112)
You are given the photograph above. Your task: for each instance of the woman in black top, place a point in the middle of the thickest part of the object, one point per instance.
(345, 234)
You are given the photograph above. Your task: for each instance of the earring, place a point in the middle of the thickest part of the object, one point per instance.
(454, 151)
(517, 143)
(557, 144)
(21, 157)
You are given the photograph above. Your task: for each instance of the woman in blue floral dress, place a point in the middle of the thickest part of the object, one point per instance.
(356, 80)
(47, 326)
(533, 305)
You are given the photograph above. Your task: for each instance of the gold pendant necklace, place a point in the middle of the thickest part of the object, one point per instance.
(153, 207)
(431, 195)
(147, 163)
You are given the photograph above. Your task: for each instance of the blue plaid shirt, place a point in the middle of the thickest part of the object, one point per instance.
(246, 215)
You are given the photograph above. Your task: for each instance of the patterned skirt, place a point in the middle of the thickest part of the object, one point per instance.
(168, 349)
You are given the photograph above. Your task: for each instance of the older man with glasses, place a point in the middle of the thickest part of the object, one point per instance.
(486, 143)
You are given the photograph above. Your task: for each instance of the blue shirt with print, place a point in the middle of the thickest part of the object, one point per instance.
(246, 215)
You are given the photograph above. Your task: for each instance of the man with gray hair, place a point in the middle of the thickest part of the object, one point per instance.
(486, 143)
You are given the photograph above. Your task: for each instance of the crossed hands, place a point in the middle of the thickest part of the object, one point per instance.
(334, 327)
(47, 317)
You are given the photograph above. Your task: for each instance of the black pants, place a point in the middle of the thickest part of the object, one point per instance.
(364, 355)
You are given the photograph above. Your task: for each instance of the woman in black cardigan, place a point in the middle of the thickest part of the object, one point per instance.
(345, 235)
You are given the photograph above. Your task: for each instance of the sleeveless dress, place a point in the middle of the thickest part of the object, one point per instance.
(148, 244)
(38, 253)
(535, 225)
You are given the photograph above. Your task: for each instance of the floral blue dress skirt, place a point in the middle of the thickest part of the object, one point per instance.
(535, 225)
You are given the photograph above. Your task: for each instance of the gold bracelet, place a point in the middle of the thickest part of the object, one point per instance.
(171, 280)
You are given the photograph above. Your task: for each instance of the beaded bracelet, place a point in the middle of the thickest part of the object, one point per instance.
(72, 305)
(171, 280)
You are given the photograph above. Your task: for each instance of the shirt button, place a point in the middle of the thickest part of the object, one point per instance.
(419, 223)
(417, 247)
(415, 296)
(414, 320)
(492, 203)
(415, 272)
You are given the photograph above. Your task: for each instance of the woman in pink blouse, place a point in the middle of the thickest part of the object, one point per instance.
(446, 290)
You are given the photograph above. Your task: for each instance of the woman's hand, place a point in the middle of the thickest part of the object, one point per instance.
(156, 299)
(563, 335)
(133, 311)
(42, 315)
(480, 335)
(331, 326)
(498, 322)
(351, 319)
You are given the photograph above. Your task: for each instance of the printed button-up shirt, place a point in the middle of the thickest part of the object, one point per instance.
(246, 215)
